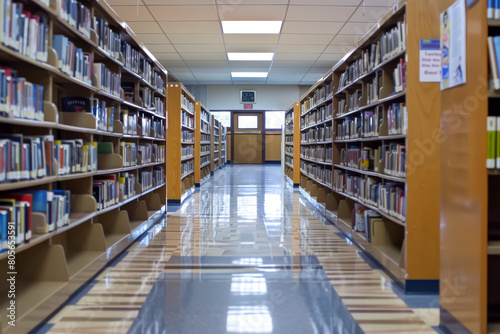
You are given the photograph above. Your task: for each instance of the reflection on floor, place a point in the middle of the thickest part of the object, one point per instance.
(247, 254)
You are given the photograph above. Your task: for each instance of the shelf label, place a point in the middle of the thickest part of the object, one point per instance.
(248, 106)
(430, 60)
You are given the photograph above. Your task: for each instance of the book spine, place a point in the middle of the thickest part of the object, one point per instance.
(491, 129)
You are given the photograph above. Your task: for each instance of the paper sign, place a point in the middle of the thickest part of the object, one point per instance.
(430, 60)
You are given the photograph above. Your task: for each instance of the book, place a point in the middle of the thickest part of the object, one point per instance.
(25, 200)
(491, 126)
(76, 104)
(493, 64)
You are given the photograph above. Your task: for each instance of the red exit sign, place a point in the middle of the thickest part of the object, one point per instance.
(248, 106)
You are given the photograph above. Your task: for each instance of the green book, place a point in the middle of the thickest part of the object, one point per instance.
(105, 148)
(491, 127)
(497, 155)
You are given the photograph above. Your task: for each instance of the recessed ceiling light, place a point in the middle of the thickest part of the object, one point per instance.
(250, 56)
(251, 27)
(249, 74)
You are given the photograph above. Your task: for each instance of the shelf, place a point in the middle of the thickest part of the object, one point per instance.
(151, 138)
(289, 154)
(26, 184)
(186, 110)
(129, 72)
(493, 23)
(205, 164)
(325, 101)
(205, 143)
(287, 164)
(204, 154)
(108, 95)
(187, 127)
(373, 105)
(369, 173)
(374, 208)
(28, 122)
(393, 137)
(317, 124)
(187, 158)
(317, 162)
(318, 143)
(494, 247)
(101, 52)
(316, 180)
(186, 175)
(205, 133)
(109, 134)
(187, 142)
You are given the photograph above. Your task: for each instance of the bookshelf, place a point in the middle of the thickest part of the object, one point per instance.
(94, 180)
(181, 147)
(469, 197)
(292, 156)
(357, 126)
(215, 161)
(223, 145)
(202, 141)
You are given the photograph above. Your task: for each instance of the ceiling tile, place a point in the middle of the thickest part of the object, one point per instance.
(115, 3)
(212, 76)
(250, 48)
(153, 38)
(184, 13)
(201, 27)
(346, 39)
(208, 63)
(195, 38)
(368, 14)
(292, 63)
(265, 64)
(250, 13)
(319, 13)
(145, 27)
(356, 28)
(322, 64)
(178, 2)
(253, 2)
(334, 48)
(334, 57)
(304, 39)
(208, 70)
(291, 69)
(200, 47)
(383, 3)
(298, 56)
(312, 27)
(167, 56)
(160, 47)
(290, 48)
(327, 2)
(203, 56)
(172, 63)
(133, 13)
(251, 39)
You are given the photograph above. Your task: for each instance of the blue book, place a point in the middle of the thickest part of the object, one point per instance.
(42, 203)
(496, 44)
(59, 43)
(491, 9)
(4, 214)
(496, 14)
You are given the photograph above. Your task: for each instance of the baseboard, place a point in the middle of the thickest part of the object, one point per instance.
(450, 324)
(422, 286)
(273, 162)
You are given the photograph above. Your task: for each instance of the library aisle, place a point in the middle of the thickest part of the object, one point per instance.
(247, 254)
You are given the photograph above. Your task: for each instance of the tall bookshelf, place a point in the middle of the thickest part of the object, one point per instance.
(181, 142)
(223, 145)
(215, 145)
(100, 205)
(469, 295)
(202, 141)
(362, 167)
(292, 140)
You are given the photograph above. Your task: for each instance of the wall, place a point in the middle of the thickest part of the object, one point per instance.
(227, 97)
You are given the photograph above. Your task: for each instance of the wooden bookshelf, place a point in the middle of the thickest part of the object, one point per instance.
(215, 142)
(292, 143)
(181, 134)
(469, 296)
(334, 180)
(53, 265)
(202, 146)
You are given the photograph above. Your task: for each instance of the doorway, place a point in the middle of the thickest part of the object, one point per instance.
(247, 136)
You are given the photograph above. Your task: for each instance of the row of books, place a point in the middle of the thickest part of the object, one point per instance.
(388, 197)
(342, 107)
(205, 127)
(392, 42)
(146, 69)
(205, 148)
(399, 76)
(187, 104)
(107, 39)
(364, 125)
(320, 134)
(106, 80)
(397, 119)
(129, 121)
(321, 173)
(354, 100)
(289, 160)
(204, 138)
(27, 158)
(146, 95)
(321, 94)
(288, 118)
(316, 116)
(493, 131)
(205, 116)
(187, 120)
(155, 125)
(188, 137)
(111, 189)
(131, 57)
(373, 88)
(159, 105)
(158, 82)
(128, 152)
(158, 176)
(23, 31)
(151, 153)
(72, 60)
(320, 153)
(367, 158)
(493, 11)
(77, 15)
(187, 167)
(364, 220)
(204, 160)
(20, 98)
(289, 149)
(104, 115)
(16, 210)
(187, 151)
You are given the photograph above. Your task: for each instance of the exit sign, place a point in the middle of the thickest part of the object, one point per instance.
(248, 106)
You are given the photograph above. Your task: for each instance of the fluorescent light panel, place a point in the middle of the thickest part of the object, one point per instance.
(251, 27)
(251, 56)
(249, 74)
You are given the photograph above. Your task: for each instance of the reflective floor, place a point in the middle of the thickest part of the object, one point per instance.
(247, 254)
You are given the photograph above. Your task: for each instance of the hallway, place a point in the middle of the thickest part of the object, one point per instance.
(247, 254)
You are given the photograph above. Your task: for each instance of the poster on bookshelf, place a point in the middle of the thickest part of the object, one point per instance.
(453, 45)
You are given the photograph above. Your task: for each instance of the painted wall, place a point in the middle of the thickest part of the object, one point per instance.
(227, 97)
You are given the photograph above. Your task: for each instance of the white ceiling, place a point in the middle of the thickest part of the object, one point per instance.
(186, 36)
